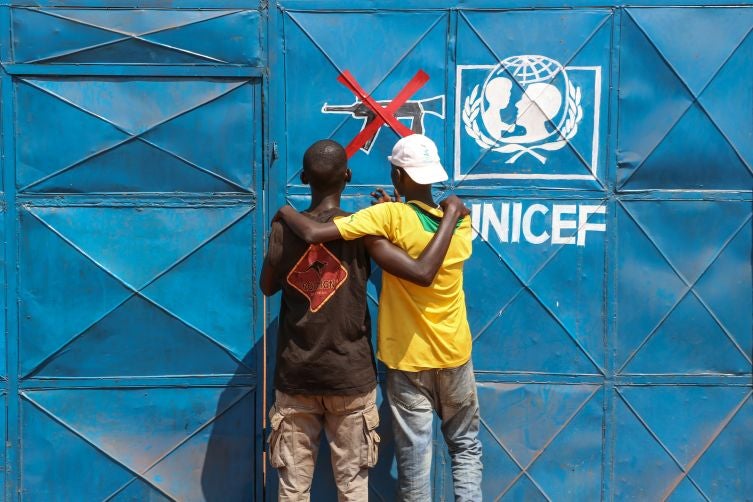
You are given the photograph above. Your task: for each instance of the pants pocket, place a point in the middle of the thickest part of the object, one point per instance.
(370, 448)
(275, 438)
(457, 385)
(403, 391)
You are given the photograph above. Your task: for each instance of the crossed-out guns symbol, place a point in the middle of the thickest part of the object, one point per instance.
(375, 114)
(415, 110)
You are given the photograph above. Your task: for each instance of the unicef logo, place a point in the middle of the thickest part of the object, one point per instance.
(526, 106)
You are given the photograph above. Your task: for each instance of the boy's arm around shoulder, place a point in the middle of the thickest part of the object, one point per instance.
(312, 232)
(423, 269)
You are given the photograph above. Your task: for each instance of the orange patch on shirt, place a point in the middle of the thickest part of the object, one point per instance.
(317, 276)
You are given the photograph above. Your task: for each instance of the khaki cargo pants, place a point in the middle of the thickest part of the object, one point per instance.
(350, 423)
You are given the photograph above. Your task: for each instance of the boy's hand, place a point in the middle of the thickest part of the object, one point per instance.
(381, 196)
(454, 206)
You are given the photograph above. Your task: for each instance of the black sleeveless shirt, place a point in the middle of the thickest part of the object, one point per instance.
(324, 337)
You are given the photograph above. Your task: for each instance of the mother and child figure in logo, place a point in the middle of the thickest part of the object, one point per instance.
(325, 374)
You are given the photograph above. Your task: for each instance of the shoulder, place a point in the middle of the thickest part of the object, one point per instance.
(276, 232)
(277, 227)
(384, 209)
(465, 223)
(328, 214)
(464, 228)
(465, 233)
(385, 215)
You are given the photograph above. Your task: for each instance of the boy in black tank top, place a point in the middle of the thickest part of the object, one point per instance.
(325, 373)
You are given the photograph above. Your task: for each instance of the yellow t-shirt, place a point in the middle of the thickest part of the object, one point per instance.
(419, 327)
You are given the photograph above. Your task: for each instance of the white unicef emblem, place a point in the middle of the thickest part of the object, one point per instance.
(545, 110)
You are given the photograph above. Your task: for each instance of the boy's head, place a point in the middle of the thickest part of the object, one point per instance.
(417, 157)
(325, 166)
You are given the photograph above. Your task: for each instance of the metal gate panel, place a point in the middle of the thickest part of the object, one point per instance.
(137, 36)
(558, 367)
(178, 334)
(115, 149)
(131, 452)
(542, 441)
(382, 62)
(135, 154)
(679, 331)
(681, 323)
(661, 453)
(552, 292)
(698, 254)
(577, 42)
(691, 121)
(541, 322)
(609, 291)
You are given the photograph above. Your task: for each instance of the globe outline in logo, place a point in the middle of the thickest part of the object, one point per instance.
(547, 114)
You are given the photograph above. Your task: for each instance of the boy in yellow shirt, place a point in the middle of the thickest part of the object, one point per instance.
(424, 338)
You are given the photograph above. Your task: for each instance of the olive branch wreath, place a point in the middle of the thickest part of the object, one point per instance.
(573, 116)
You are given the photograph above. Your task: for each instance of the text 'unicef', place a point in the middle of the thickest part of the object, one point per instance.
(537, 223)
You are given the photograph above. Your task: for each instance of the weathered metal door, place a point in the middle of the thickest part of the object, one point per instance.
(132, 144)
(607, 153)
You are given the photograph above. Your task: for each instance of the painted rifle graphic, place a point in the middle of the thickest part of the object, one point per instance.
(415, 110)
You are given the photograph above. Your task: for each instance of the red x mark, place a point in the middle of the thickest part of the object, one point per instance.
(384, 115)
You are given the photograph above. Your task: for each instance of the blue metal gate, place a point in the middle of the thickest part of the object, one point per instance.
(132, 153)
(610, 291)
(607, 153)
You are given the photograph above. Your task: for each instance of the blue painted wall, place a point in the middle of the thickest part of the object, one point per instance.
(610, 293)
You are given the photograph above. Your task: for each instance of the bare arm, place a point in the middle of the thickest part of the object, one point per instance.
(423, 269)
(307, 229)
(269, 280)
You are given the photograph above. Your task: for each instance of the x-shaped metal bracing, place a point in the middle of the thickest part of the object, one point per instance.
(526, 286)
(340, 71)
(136, 473)
(139, 291)
(695, 101)
(524, 469)
(131, 36)
(135, 137)
(685, 469)
(486, 44)
(689, 288)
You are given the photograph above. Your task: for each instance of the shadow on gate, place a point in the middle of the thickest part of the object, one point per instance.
(229, 468)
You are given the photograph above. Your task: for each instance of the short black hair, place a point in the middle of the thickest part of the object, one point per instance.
(324, 163)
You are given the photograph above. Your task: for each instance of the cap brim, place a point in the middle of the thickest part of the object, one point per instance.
(428, 174)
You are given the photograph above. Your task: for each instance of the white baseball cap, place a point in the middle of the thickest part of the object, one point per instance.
(419, 158)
